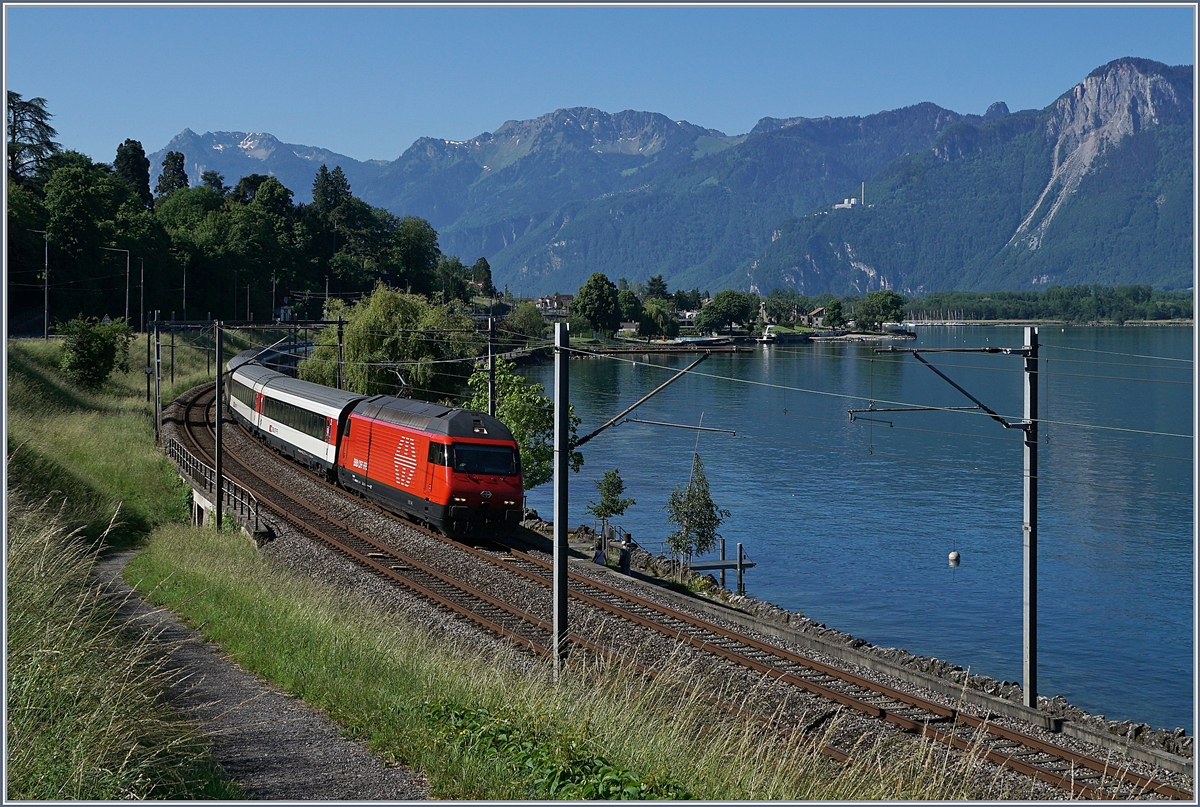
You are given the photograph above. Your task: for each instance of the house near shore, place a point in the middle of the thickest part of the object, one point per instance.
(814, 318)
(555, 302)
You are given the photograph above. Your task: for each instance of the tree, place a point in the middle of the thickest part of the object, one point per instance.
(725, 309)
(597, 303)
(132, 166)
(92, 350)
(687, 300)
(834, 318)
(450, 280)
(247, 187)
(30, 136)
(657, 287)
(395, 343)
(215, 180)
(630, 305)
(529, 415)
(696, 515)
(879, 307)
(413, 250)
(481, 273)
(174, 175)
(330, 190)
(610, 486)
(528, 320)
(657, 320)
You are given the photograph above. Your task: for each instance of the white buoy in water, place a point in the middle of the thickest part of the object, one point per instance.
(954, 558)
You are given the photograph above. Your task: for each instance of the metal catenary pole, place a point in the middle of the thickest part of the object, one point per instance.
(1028, 425)
(142, 295)
(562, 453)
(1030, 514)
(149, 367)
(217, 515)
(157, 383)
(492, 366)
(339, 358)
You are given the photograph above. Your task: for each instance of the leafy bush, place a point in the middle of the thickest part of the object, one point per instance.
(94, 349)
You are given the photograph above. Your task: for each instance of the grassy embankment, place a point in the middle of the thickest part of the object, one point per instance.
(84, 716)
(473, 725)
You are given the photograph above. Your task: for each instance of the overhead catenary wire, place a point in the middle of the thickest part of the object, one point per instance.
(847, 396)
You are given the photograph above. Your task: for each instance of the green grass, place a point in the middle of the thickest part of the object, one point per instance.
(478, 728)
(84, 714)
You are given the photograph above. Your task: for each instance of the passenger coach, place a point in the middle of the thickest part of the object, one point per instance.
(297, 418)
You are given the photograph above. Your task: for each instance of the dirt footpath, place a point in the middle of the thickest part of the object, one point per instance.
(274, 746)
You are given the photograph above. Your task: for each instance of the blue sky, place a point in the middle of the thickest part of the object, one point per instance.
(368, 81)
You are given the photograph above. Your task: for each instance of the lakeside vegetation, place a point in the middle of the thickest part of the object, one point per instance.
(1074, 304)
(478, 724)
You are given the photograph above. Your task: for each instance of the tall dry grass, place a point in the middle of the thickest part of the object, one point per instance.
(85, 715)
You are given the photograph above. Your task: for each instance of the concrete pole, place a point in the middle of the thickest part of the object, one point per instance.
(1030, 517)
(741, 558)
(217, 514)
(492, 366)
(722, 558)
(142, 295)
(562, 452)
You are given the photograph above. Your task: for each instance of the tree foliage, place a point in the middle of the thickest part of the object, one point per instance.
(612, 503)
(630, 305)
(174, 175)
(1090, 303)
(834, 318)
(695, 514)
(92, 350)
(522, 406)
(481, 274)
(657, 320)
(727, 308)
(133, 167)
(597, 303)
(528, 320)
(30, 136)
(395, 343)
(879, 307)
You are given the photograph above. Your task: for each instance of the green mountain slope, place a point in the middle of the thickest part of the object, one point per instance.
(1095, 188)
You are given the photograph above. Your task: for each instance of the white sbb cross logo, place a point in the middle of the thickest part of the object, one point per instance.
(406, 461)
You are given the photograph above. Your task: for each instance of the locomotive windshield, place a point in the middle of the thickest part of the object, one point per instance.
(473, 458)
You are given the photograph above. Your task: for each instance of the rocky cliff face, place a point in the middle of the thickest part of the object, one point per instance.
(1113, 103)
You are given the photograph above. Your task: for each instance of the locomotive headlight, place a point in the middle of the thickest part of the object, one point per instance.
(508, 503)
(459, 499)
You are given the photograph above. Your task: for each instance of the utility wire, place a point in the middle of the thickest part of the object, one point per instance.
(1114, 353)
(846, 396)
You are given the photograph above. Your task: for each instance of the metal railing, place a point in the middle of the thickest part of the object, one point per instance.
(235, 498)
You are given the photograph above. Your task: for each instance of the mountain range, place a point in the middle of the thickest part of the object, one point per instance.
(1094, 188)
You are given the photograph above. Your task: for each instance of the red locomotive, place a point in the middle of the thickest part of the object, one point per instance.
(450, 468)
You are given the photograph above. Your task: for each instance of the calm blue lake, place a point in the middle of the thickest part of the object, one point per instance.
(851, 523)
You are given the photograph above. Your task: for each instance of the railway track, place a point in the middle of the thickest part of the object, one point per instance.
(1079, 774)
